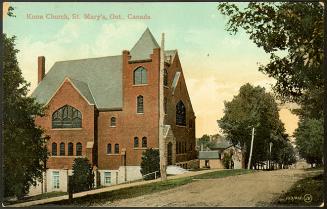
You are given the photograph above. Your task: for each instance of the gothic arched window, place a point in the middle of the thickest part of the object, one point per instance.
(78, 149)
(144, 142)
(136, 142)
(54, 149)
(112, 121)
(70, 149)
(180, 114)
(67, 117)
(165, 79)
(140, 76)
(62, 149)
(116, 148)
(140, 107)
(109, 148)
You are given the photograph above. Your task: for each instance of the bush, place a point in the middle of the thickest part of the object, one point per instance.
(83, 176)
(227, 160)
(150, 163)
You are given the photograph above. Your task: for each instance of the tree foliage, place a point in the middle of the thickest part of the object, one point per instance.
(83, 176)
(286, 155)
(310, 140)
(253, 107)
(294, 29)
(25, 150)
(150, 163)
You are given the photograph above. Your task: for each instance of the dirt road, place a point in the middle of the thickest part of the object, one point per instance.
(254, 189)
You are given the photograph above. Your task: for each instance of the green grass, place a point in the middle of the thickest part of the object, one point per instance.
(98, 199)
(302, 191)
(36, 197)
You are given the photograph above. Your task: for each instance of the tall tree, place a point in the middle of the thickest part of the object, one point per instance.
(253, 107)
(297, 30)
(310, 140)
(24, 144)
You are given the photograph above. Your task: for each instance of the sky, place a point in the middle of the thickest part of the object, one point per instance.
(215, 63)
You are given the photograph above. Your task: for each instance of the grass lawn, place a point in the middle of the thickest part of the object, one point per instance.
(36, 197)
(100, 198)
(305, 192)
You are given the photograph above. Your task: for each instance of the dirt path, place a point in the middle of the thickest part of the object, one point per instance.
(254, 189)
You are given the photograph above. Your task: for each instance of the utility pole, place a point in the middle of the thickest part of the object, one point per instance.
(162, 144)
(270, 145)
(249, 163)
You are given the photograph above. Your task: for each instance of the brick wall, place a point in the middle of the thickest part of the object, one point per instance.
(68, 95)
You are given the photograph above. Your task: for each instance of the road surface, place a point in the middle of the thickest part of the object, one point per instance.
(253, 189)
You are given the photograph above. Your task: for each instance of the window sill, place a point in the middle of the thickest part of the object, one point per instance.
(112, 126)
(113, 154)
(181, 126)
(66, 129)
(138, 85)
(140, 148)
(140, 113)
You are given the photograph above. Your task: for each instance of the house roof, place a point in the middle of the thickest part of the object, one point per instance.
(99, 80)
(222, 144)
(84, 90)
(204, 155)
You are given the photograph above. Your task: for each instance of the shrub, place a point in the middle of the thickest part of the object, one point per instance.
(227, 160)
(83, 176)
(150, 163)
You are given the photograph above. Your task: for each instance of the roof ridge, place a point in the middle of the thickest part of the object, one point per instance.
(88, 58)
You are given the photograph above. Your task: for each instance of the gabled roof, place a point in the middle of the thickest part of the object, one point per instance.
(84, 89)
(223, 143)
(204, 155)
(98, 79)
(144, 46)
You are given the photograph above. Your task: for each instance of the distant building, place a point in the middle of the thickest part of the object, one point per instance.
(213, 158)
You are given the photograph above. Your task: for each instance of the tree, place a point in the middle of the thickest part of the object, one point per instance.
(286, 155)
(25, 151)
(253, 107)
(83, 176)
(204, 141)
(295, 29)
(150, 163)
(310, 140)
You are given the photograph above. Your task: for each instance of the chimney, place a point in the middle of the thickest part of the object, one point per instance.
(40, 68)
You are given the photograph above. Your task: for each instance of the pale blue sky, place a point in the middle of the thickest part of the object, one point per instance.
(214, 62)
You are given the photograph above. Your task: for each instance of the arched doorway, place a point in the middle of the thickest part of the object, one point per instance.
(170, 153)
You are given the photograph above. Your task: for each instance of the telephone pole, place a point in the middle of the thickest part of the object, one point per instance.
(162, 144)
(249, 163)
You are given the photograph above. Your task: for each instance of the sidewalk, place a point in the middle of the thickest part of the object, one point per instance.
(107, 189)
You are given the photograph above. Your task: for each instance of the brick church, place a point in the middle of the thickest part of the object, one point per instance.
(107, 109)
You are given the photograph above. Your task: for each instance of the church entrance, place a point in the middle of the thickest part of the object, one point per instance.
(170, 153)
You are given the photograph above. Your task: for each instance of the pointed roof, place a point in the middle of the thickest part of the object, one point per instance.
(144, 46)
